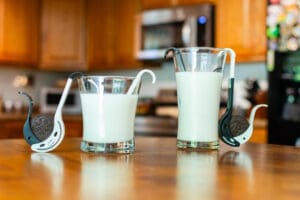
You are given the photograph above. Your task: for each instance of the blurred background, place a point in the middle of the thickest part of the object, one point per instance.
(43, 41)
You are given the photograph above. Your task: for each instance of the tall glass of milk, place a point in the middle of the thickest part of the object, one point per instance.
(199, 73)
(108, 113)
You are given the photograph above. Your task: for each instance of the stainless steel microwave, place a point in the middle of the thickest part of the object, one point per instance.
(50, 97)
(183, 26)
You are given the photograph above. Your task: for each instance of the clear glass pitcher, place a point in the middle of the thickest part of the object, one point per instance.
(199, 73)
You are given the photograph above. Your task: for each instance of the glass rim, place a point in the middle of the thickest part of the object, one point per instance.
(107, 77)
(195, 48)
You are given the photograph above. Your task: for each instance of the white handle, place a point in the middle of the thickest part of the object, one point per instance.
(232, 61)
(137, 79)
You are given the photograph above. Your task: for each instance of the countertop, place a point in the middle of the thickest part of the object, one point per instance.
(157, 170)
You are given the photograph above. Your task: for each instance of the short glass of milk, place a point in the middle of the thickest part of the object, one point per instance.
(108, 113)
(199, 73)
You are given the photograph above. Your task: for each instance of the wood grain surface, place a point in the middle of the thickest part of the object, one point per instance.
(157, 170)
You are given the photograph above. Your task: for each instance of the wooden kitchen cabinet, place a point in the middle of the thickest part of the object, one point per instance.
(259, 135)
(63, 39)
(241, 25)
(68, 35)
(13, 128)
(100, 34)
(73, 128)
(19, 31)
(110, 34)
(152, 4)
(88, 35)
(124, 18)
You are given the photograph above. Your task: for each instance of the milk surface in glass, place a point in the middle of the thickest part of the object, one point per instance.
(108, 118)
(199, 103)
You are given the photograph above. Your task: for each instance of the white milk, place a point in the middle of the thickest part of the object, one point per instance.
(108, 119)
(199, 103)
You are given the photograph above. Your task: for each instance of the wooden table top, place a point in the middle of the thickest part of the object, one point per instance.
(157, 170)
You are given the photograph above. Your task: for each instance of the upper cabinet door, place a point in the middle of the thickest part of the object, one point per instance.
(152, 4)
(63, 35)
(100, 34)
(110, 34)
(19, 31)
(241, 25)
(125, 15)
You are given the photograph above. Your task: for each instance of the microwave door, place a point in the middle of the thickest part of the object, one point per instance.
(156, 38)
(189, 32)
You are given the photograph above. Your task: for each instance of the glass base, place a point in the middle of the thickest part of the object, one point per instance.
(119, 147)
(183, 144)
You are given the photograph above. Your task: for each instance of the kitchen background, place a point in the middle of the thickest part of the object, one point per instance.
(43, 41)
(51, 38)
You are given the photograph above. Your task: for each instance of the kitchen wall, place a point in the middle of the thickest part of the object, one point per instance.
(9, 75)
(165, 79)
